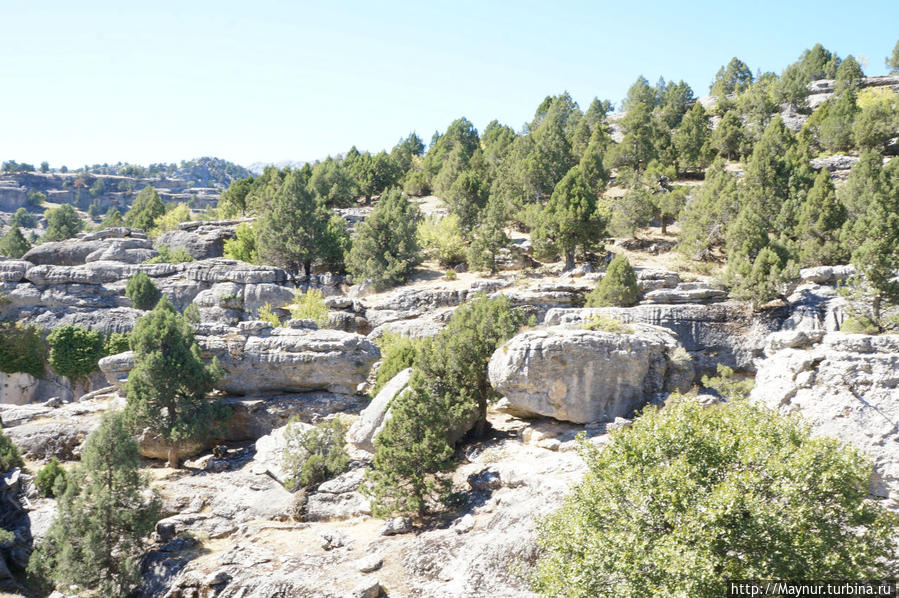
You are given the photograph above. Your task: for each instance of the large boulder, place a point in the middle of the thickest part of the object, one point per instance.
(201, 243)
(727, 332)
(584, 376)
(373, 418)
(847, 388)
(279, 359)
(17, 388)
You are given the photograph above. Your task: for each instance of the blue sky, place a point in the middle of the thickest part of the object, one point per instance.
(92, 82)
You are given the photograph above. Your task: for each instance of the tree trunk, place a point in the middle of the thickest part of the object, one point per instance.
(875, 309)
(307, 267)
(569, 260)
(174, 462)
(664, 225)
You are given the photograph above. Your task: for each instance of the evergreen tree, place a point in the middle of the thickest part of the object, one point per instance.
(637, 148)
(892, 62)
(835, 130)
(13, 243)
(727, 138)
(167, 388)
(142, 292)
(62, 223)
(23, 219)
(385, 250)
(591, 163)
(877, 121)
(332, 184)
(75, 350)
(467, 197)
(233, 200)
(820, 220)
(488, 237)
(849, 75)
(705, 219)
(692, 139)
(95, 542)
(569, 220)
(113, 218)
(734, 78)
(147, 207)
(293, 230)
(617, 287)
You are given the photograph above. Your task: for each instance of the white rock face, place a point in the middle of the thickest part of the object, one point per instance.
(270, 452)
(582, 376)
(847, 387)
(372, 419)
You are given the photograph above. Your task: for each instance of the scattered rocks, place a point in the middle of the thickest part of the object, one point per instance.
(331, 539)
(397, 525)
(369, 563)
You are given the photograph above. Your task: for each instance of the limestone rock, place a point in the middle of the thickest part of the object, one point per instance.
(689, 292)
(397, 525)
(17, 388)
(13, 270)
(847, 388)
(270, 452)
(203, 243)
(372, 419)
(582, 375)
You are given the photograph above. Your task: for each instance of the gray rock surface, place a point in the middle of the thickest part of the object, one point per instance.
(847, 387)
(582, 375)
(372, 419)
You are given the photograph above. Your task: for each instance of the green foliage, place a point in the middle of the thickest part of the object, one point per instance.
(243, 246)
(618, 287)
(821, 218)
(13, 244)
(704, 222)
(691, 496)
(607, 324)
(570, 220)
(877, 120)
(117, 342)
(315, 456)
(142, 292)
(295, 229)
(449, 390)
(105, 513)
(309, 306)
(192, 313)
(441, 240)
(638, 147)
(112, 219)
(170, 220)
(62, 223)
(75, 350)
(167, 255)
(726, 385)
(892, 62)
(332, 184)
(488, 237)
(35, 199)
(9, 454)
(859, 325)
(450, 274)
(728, 137)
(692, 139)
(6, 538)
(385, 250)
(22, 349)
(168, 386)
(398, 352)
(735, 78)
(266, 314)
(51, 480)
(762, 279)
(23, 219)
(145, 209)
(233, 200)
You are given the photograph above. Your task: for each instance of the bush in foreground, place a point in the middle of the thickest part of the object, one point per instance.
(689, 497)
(142, 292)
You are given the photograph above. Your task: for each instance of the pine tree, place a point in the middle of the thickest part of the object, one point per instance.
(705, 219)
(692, 139)
(618, 287)
(147, 207)
(569, 220)
(14, 244)
(821, 218)
(892, 62)
(95, 542)
(62, 223)
(167, 388)
(113, 218)
(727, 138)
(142, 292)
(385, 250)
(488, 238)
(293, 230)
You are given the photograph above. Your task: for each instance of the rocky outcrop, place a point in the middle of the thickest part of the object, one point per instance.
(200, 240)
(372, 419)
(262, 358)
(846, 386)
(586, 376)
(74, 252)
(727, 332)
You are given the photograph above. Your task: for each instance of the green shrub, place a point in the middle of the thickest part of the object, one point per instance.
(859, 325)
(117, 342)
(727, 385)
(6, 538)
(51, 480)
(309, 306)
(142, 292)
(450, 274)
(9, 454)
(267, 314)
(607, 324)
(167, 255)
(691, 496)
(316, 455)
(617, 288)
(398, 352)
(243, 246)
(22, 349)
(75, 350)
(192, 313)
(170, 220)
(442, 240)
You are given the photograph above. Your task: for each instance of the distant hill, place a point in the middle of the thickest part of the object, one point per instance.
(202, 172)
(258, 167)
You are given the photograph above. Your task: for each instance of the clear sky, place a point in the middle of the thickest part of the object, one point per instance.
(161, 81)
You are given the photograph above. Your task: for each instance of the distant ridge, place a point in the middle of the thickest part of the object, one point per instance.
(259, 167)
